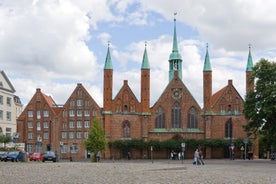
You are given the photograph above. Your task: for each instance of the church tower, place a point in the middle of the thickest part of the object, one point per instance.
(249, 72)
(207, 82)
(145, 83)
(107, 92)
(175, 60)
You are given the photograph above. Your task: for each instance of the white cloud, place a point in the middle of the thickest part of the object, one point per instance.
(49, 42)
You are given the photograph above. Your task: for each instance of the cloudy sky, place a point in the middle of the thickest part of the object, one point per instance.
(55, 44)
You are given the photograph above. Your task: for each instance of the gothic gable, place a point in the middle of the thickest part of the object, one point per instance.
(80, 99)
(172, 110)
(125, 101)
(227, 101)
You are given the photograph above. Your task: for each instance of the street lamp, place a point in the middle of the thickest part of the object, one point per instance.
(61, 146)
(39, 144)
(151, 156)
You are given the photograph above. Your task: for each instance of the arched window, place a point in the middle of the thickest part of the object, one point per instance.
(159, 118)
(126, 129)
(192, 118)
(176, 116)
(229, 128)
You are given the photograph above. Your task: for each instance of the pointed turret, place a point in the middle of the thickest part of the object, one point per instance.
(249, 72)
(207, 64)
(249, 67)
(145, 83)
(145, 62)
(108, 82)
(108, 62)
(207, 82)
(175, 59)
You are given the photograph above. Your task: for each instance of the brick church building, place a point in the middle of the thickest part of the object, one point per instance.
(43, 125)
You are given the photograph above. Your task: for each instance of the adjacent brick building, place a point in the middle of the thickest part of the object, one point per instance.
(124, 117)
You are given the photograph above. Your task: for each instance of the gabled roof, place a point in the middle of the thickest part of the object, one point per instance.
(126, 87)
(48, 100)
(11, 88)
(170, 85)
(221, 93)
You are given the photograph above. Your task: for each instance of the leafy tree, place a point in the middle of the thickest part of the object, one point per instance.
(5, 139)
(260, 104)
(96, 141)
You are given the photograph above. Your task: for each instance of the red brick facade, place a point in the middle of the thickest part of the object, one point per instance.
(63, 129)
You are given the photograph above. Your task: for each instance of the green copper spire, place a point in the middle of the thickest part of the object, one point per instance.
(175, 55)
(175, 60)
(108, 62)
(249, 67)
(207, 64)
(145, 62)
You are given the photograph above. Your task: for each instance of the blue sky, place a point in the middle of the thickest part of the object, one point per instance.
(55, 44)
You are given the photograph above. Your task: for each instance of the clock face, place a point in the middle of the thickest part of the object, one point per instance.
(176, 93)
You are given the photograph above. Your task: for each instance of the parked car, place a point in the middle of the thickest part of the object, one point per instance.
(12, 156)
(49, 156)
(36, 156)
(3, 155)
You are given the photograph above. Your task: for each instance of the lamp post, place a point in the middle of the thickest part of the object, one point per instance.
(39, 144)
(151, 156)
(61, 146)
(183, 150)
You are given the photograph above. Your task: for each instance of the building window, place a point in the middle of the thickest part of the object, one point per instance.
(1, 115)
(79, 102)
(38, 115)
(192, 118)
(126, 129)
(29, 148)
(71, 124)
(71, 113)
(45, 124)
(8, 101)
(229, 128)
(176, 116)
(8, 116)
(79, 135)
(85, 135)
(79, 113)
(159, 118)
(46, 135)
(1, 99)
(46, 113)
(72, 103)
(79, 124)
(74, 148)
(30, 114)
(64, 135)
(79, 92)
(38, 127)
(30, 125)
(86, 124)
(87, 103)
(86, 113)
(63, 148)
(30, 135)
(95, 112)
(71, 135)
(8, 132)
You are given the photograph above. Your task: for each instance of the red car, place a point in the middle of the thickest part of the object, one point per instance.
(36, 157)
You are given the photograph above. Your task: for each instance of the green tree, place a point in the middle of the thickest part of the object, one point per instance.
(5, 139)
(260, 104)
(96, 141)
